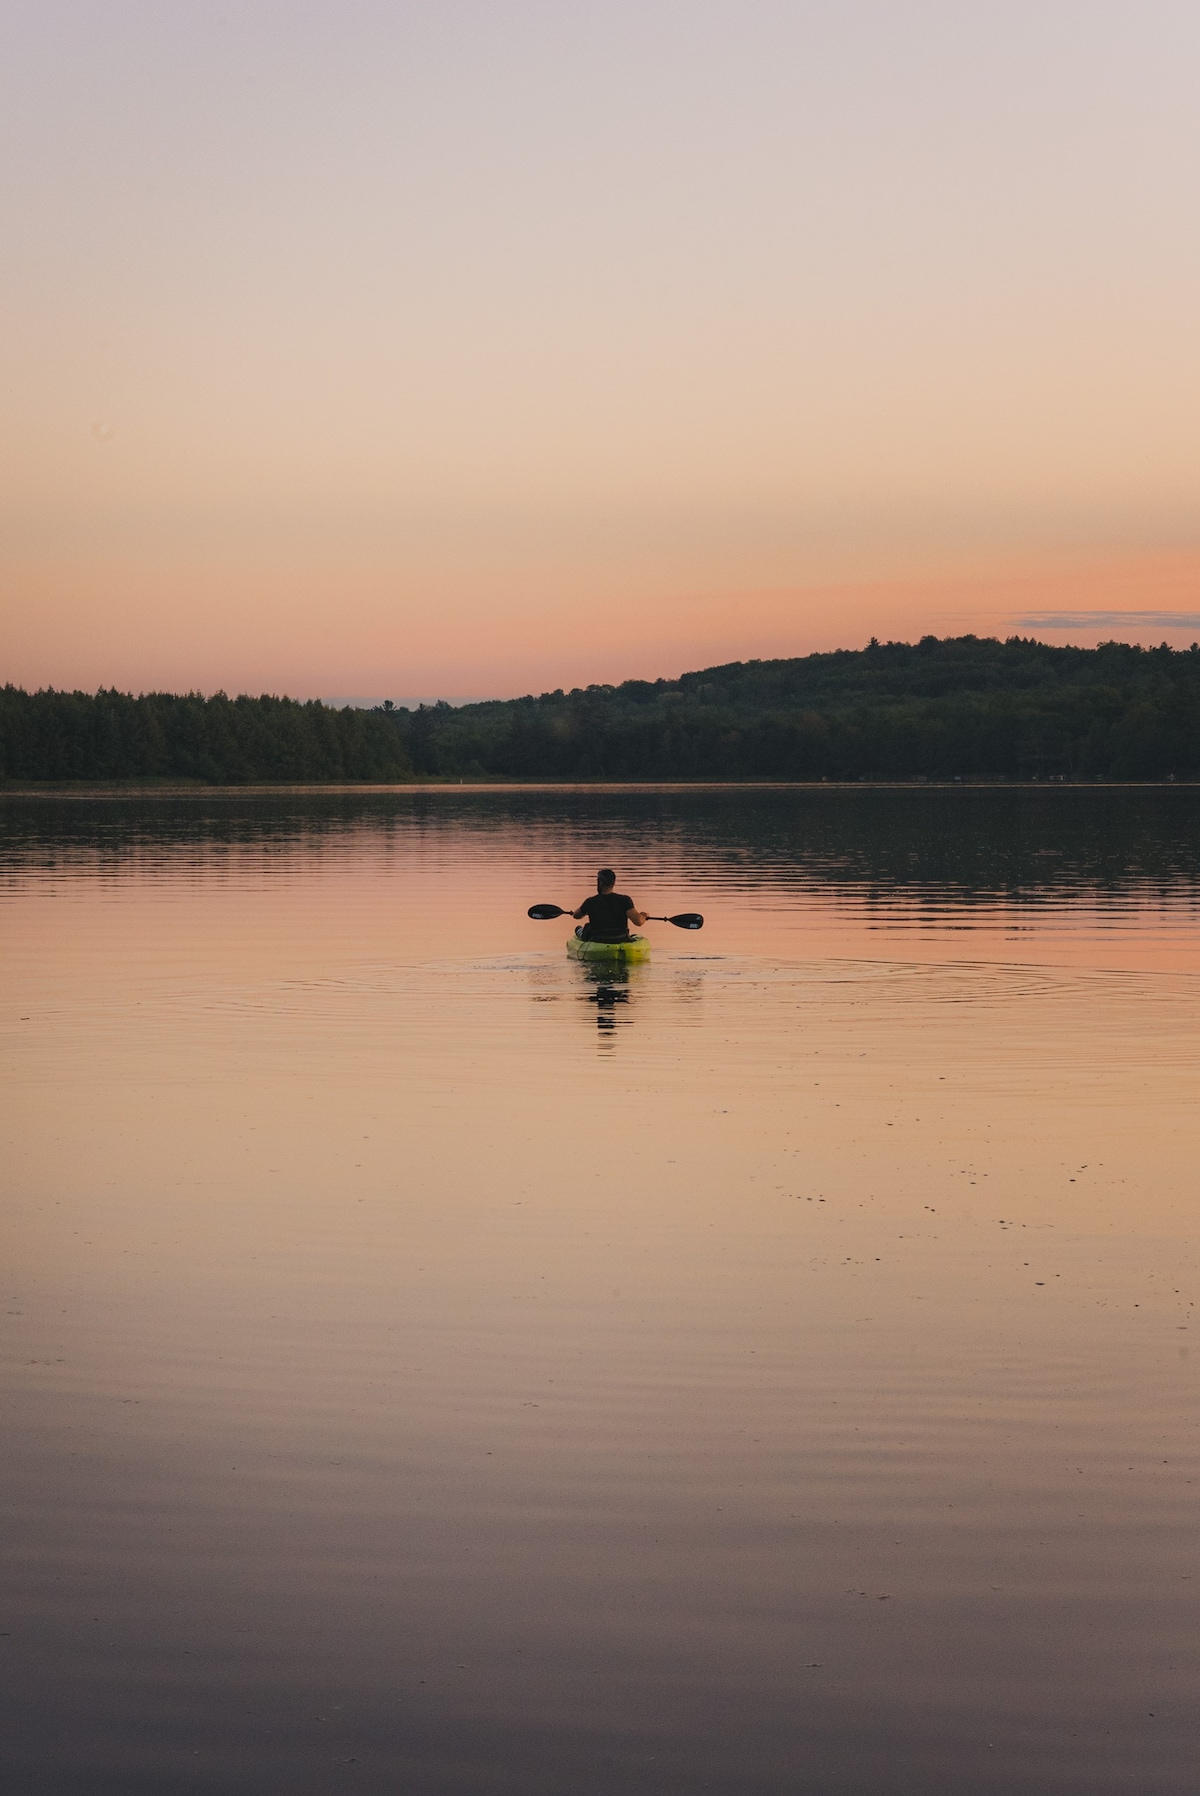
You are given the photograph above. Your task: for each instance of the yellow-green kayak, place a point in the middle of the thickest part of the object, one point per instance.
(622, 954)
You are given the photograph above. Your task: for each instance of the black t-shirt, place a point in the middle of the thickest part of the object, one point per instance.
(608, 915)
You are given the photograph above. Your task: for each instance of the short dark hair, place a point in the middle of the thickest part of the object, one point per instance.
(605, 877)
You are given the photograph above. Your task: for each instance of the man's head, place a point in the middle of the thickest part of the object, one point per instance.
(606, 879)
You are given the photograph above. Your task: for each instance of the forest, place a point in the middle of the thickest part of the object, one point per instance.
(63, 736)
(962, 707)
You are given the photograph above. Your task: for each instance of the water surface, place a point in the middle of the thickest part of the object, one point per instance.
(431, 1365)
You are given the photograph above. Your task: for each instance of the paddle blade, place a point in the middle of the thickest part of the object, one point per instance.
(687, 919)
(542, 913)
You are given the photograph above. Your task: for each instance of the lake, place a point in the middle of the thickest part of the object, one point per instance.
(434, 1366)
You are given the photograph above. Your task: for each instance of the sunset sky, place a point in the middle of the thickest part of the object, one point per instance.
(467, 348)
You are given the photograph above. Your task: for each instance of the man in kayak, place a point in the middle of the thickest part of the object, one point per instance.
(609, 913)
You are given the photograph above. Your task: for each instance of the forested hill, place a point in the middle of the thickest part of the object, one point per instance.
(964, 707)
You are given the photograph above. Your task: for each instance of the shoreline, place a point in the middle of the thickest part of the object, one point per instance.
(116, 789)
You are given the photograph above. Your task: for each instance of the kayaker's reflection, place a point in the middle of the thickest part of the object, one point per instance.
(609, 995)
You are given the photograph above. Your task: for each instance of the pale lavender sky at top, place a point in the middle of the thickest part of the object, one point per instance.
(481, 347)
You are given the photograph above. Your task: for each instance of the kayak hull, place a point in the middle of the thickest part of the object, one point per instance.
(619, 954)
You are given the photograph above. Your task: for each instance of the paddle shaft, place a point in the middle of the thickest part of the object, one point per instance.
(545, 913)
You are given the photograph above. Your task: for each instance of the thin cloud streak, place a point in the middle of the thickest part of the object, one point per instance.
(1111, 620)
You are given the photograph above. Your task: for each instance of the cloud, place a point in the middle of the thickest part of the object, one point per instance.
(1104, 620)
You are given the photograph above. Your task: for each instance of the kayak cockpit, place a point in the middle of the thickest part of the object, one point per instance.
(627, 953)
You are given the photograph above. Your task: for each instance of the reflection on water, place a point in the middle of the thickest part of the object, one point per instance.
(1033, 869)
(608, 994)
(432, 1364)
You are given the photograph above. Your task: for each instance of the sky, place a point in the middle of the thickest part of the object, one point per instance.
(473, 348)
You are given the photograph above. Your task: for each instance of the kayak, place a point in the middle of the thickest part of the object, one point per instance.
(622, 954)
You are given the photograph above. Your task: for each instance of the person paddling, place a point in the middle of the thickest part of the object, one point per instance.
(609, 913)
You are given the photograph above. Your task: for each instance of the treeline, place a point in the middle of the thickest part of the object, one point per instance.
(966, 707)
(963, 707)
(223, 741)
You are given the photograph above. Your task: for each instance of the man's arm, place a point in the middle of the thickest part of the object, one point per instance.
(578, 914)
(637, 917)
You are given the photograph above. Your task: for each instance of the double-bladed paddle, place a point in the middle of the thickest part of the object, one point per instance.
(687, 919)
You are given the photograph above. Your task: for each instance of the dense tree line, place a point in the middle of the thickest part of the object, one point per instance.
(161, 735)
(939, 709)
(966, 707)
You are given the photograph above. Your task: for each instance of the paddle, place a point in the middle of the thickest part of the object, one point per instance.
(687, 919)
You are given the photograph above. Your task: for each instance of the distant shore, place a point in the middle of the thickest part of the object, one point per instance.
(110, 789)
(960, 710)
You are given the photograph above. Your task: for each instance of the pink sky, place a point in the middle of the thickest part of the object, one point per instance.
(479, 348)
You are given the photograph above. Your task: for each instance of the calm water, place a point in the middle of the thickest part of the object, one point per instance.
(432, 1368)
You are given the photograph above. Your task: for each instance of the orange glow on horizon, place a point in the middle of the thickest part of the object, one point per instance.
(256, 634)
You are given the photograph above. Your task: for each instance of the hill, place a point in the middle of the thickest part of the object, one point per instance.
(963, 706)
